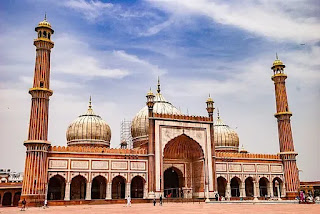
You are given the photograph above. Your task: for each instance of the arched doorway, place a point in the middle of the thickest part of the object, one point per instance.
(16, 199)
(235, 190)
(78, 188)
(222, 184)
(118, 187)
(263, 187)
(249, 187)
(277, 186)
(7, 197)
(137, 185)
(98, 189)
(184, 153)
(173, 182)
(56, 188)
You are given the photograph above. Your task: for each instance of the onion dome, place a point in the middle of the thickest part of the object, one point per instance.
(225, 138)
(89, 129)
(140, 123)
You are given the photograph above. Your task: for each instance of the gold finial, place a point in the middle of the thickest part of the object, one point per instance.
(90, 103)
(158, 90)
(209, 98)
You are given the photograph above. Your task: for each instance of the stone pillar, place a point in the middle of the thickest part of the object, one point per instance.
(67, 192)
(283, 190)
(88, 191)
(255, 190)
(242, 190)
(108, 190)
(145, 191)
(228, 193)
(270, 189)
(128, 190)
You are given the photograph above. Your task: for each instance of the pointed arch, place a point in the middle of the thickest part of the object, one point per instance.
(56, 188)
(183, 147)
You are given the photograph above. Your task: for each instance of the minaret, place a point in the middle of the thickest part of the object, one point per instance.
(35, 173)
(287, 153)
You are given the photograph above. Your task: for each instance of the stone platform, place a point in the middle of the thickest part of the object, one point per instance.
(177, 208)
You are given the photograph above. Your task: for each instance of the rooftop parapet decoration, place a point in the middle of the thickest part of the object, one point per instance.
(246, 155)
(88, 149)
(183, 117)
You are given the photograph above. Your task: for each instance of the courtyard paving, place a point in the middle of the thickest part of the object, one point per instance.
(176, 208)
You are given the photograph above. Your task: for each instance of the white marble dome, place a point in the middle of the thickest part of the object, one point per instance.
(225, 138)
(89, 129)
(140, 123)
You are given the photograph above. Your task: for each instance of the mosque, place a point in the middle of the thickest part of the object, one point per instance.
(173, 155)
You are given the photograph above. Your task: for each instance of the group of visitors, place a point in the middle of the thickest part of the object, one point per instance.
(155, 202)
(307, 197)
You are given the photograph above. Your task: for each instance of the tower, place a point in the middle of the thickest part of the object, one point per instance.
(287, 153)
(35, 173)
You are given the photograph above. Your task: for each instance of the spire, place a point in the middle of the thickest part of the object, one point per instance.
(45, 16)
(277, 56)
(218, 113)
(90, 111)
(90, 103)
(158, 90)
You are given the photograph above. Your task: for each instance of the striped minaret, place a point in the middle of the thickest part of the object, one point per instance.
(35, 173)
(287, 153)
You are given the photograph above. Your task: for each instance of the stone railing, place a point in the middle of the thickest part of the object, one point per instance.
(182, 117)
(246, 155)
(89, 149)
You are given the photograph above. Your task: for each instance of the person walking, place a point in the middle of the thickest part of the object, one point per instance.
(128, 201)
(160, 200)
(154, 202)
(24, 203)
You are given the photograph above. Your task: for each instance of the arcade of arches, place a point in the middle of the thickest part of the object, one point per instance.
(10, 198)
(250, 188)
(80, 189)
(183, 174)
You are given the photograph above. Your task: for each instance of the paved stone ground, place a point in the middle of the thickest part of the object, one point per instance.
(175, 208)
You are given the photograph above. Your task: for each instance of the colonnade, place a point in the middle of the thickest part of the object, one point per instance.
(79, 188)
(250, 187)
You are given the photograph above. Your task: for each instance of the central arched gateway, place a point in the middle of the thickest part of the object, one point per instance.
(183, 173)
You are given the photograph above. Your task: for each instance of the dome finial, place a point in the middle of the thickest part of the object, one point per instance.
(158, 90)
(90, 103)
(45, 15)
(218, 113)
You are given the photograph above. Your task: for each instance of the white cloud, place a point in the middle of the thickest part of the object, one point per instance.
(155, 69)
(271, 19)
(90, 9)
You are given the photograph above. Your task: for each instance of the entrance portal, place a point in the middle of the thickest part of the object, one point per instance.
(172, 182)
(187, 154)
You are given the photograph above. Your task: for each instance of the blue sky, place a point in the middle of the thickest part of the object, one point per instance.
(114, 51)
